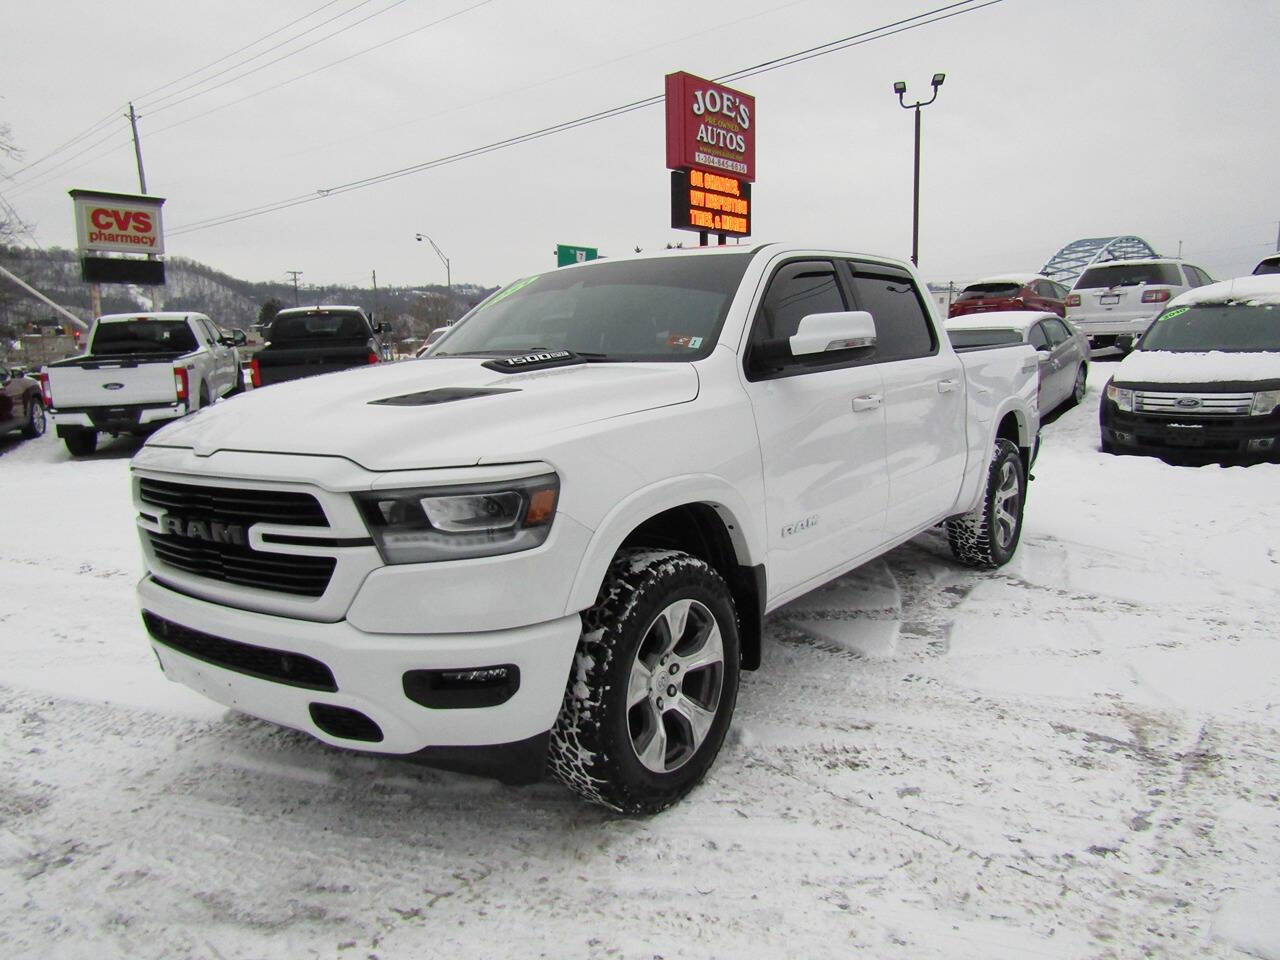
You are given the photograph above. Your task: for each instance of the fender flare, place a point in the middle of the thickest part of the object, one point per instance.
(646, 502)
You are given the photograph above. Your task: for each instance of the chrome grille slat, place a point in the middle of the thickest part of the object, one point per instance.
(1164, 403)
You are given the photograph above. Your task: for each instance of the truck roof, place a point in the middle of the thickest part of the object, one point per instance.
(151, 315)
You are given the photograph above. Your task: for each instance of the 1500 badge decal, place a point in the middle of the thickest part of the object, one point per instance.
(793, 528)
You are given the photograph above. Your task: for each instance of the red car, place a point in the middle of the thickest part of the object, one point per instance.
(1011, 291)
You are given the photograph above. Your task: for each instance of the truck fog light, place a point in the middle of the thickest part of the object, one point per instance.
(1122, 437)
(1261, 443)
(462, 689)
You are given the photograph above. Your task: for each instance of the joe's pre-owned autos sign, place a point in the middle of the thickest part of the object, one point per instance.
(710, 127)
(118, 222)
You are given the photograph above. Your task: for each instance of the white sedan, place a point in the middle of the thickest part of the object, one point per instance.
(1063, 350)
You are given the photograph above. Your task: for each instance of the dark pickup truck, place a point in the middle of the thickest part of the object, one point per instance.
(305, 341)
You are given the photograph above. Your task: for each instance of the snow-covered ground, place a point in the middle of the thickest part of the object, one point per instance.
(1075, 756)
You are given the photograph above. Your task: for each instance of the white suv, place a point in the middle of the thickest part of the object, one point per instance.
(1113, 303)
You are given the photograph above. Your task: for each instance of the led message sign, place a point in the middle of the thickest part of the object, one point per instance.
(710, 202)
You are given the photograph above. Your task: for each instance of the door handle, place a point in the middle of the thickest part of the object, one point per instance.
(868, 402)
(947, 386)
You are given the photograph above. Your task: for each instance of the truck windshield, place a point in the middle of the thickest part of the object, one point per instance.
(320, 325)
(657, 309)
(126, 337)
(1230, 327)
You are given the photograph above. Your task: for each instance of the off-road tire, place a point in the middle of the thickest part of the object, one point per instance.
(35, 425)
(988, 535)
(593, 750)
(81, 443)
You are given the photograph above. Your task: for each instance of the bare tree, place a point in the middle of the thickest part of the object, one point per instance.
(10, 223)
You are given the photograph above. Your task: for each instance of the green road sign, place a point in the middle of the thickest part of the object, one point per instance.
(566, 254)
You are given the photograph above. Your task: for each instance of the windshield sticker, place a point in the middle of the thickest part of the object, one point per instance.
(693, 343)
(1175, 312)
(503, 294)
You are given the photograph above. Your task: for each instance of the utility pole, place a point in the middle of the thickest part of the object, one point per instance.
(295, 274)
(375, 292)
(137, 150)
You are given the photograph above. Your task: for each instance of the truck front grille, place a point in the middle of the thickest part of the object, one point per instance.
(1193, 404)
(281, 572)
(205, 533)
(234, 504)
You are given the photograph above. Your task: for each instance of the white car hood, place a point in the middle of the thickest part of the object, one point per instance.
(1217, 366)
(338, 414)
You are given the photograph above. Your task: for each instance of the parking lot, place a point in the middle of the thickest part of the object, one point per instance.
(1072, 756)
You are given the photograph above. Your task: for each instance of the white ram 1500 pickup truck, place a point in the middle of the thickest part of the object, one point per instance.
(553, 541)
(140, 371)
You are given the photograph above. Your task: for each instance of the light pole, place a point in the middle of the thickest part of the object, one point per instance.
(900, 88)
(448, 277)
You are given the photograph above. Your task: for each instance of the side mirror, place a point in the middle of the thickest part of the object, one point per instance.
(824, 332)
(1044, 348)
(238, 338)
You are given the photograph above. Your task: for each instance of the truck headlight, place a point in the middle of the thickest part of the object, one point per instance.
(1265, 402)
(1123, 399)
(428, 524)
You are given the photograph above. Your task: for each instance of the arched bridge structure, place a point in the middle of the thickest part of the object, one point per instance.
(1071, 261)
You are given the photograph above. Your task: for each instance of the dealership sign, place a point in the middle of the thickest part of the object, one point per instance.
(710, 202)
(118, 222)
(710, 127)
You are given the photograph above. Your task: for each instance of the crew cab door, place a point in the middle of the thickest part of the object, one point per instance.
(820, 420)
(221, 358)
(924, 396)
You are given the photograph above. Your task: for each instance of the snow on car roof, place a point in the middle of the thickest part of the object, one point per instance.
(318, 306)
(150, 315)
(1020, 320)
(1261, 289)
(1018, 278)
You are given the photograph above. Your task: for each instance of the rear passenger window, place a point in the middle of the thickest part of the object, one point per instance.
(903, 330)
(1036, 337)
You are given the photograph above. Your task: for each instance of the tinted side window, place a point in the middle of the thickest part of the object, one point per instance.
(1044, 288)
(1036, 337)
(903, 329)
(1056, 330)
(796, 290)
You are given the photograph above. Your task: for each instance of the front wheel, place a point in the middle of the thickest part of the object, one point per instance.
(34, 427)
(988, 535)
(653, 685)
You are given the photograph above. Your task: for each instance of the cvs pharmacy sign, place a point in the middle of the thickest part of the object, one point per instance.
(118, 222)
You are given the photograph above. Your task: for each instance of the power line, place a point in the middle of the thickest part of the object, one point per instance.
(303, 76)
(262, 66)
(936, 15)
(247, 46)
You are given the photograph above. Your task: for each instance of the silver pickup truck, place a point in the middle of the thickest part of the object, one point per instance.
(140, 371)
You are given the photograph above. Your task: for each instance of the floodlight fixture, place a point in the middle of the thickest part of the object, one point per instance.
(937, 79)
(899, 88)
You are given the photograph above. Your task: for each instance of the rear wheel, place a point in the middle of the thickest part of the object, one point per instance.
(204, 396)
(653, 685)
(988, 535)
(81, 443)
(237, 385)
(1078, 389)
(35, 424)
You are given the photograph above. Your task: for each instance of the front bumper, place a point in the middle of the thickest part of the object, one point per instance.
(1231, 439)
(368, 671)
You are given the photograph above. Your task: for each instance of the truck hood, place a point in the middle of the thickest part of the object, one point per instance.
(421, 414)
(1217, 366)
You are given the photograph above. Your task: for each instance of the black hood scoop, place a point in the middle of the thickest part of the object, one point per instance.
(426, 398)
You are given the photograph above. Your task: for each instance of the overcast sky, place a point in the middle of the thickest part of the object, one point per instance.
(1057, 120)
